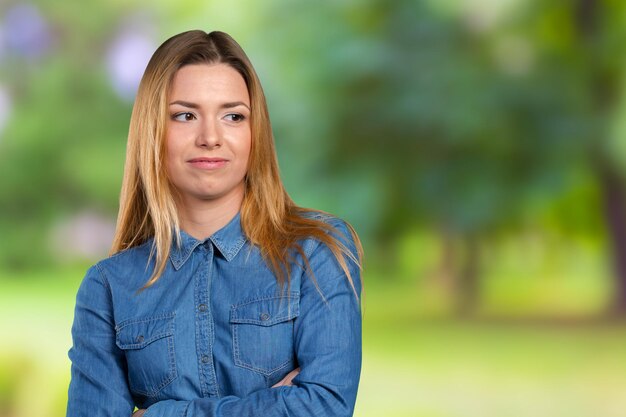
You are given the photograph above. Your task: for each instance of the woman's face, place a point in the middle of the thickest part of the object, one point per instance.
(208, 133)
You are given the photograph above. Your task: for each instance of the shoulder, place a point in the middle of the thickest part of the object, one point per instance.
(332, 255)
(336, 228)
(331, 238)
(323, 217)
(127, 265)
(113, 279)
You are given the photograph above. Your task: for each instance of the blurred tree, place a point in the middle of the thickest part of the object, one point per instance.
(395, 114)
(455, 137)
(64, 146)
(474, 131)
(600, 37)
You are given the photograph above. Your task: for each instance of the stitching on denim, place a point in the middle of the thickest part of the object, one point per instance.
(236, 247)
(292, 295)
(293, 310)
(239, 362)
(268, 323)
(103, 278)
(199, 298)
(211, 338)
(171, 375)
(181, 255)
(172, 372)
(228, 250)
(161, 316)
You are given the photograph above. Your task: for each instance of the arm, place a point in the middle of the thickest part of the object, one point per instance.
(327, 337)
(98, 386)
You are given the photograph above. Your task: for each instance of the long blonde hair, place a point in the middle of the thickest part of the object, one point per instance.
(269, 218)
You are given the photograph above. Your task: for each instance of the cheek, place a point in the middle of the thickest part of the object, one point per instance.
(246, 150)
(171, 155)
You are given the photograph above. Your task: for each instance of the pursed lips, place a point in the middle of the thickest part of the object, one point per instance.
(207, 163)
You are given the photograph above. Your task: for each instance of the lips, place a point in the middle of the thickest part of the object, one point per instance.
(207, 163)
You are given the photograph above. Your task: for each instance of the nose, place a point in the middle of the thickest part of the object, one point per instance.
(209, 135)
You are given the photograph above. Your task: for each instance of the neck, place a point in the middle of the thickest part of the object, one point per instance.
(202, 218)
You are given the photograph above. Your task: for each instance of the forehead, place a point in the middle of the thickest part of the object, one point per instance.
(209, 82)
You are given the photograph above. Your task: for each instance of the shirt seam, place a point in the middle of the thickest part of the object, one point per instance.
(104, 280)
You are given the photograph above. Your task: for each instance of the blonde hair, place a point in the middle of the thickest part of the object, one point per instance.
(269, 218)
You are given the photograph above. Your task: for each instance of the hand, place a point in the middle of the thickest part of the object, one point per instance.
(138, 413)
(286, 381)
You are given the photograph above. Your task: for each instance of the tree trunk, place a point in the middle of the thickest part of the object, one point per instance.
(459, 272)
(446, 274)
(604, 90)
(613, 186)
(469, 278)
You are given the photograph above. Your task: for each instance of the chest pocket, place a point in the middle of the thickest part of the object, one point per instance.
(148, 344)
(262, 331)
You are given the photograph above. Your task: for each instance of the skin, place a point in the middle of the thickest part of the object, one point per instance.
(208, 143)
(286, 381)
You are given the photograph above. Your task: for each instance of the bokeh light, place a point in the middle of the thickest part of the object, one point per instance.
(5, 108)
(25, 31)
(127, 58)
(477, 146)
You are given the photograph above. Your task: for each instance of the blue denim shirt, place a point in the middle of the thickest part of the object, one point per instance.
(214, 333)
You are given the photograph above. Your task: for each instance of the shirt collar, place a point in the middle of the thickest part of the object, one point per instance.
(228, 240)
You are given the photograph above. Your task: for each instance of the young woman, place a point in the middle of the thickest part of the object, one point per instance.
(222, 297)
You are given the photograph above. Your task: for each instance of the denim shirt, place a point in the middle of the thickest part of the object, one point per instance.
(214, 333)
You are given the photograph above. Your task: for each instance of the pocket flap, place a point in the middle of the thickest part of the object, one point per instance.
(137, 333)
(267, 311)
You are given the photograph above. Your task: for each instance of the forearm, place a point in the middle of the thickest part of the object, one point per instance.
(327, 343)
(306, 400)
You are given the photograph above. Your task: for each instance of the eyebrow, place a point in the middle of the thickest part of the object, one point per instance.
(196, 106)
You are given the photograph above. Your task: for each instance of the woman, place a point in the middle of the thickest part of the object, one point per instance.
(222, 297)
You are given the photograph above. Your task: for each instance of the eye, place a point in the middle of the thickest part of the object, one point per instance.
(183, 117)
(235, 117)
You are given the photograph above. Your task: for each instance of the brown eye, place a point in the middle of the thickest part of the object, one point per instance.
(183, 117)
(235, 117)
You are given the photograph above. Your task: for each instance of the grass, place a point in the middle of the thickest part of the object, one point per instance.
(413, 365)
(486, 369)
(422, 367)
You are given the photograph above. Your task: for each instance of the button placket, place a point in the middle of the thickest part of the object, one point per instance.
(204, 323)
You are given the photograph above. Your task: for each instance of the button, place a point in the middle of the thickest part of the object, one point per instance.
(139, 339)
(205, 359)
(202, 307)
(265, 316)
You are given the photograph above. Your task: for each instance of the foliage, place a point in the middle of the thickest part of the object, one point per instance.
(475, 125)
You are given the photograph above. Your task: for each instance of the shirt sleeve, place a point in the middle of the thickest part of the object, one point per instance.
(98, 386)
(327, 337)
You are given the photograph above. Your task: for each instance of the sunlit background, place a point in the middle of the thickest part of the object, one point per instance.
(478, 146)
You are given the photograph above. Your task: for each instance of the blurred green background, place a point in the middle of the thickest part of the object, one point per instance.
(478, 146)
